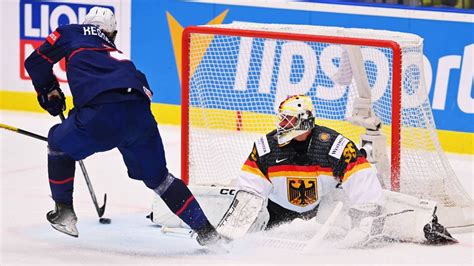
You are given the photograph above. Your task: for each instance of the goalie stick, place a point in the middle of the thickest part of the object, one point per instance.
(318, 237)
(307, 246)
(303, 246)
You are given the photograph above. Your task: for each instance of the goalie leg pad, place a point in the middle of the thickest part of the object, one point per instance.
(407, 216)
(404, 218)
(367, 224)
(243, 215)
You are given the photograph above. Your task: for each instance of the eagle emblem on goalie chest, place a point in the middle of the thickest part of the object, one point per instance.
(302, 191)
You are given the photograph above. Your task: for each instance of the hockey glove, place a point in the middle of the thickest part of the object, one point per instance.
(52, 99)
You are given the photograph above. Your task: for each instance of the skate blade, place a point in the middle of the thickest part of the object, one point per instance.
(67, 229)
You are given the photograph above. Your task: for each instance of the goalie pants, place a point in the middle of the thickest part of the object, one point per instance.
(279, 215)
(127, 125)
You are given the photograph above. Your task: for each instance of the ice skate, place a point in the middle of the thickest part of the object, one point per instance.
(208, 236)
(63, 218)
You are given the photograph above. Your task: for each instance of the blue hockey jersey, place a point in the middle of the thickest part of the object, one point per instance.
(90, 67)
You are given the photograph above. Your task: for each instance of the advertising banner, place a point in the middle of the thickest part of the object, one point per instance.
(448, 43)
(149, 32)
(28, 22)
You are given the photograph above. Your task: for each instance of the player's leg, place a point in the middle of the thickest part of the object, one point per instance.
(145, 160)
(410, 218)
(61, 168)
(279, 215)
(376, 213)
(84, 132)
(365, 201)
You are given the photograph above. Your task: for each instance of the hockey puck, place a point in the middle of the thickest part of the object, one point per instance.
(105, 221)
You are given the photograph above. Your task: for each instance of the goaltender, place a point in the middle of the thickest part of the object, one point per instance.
(292, 168)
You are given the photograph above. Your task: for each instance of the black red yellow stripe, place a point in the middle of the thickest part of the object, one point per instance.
(360, 164)
(252, 167)
(298, 170)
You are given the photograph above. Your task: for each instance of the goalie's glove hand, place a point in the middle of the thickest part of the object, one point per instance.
(436, 234)
(52, 99)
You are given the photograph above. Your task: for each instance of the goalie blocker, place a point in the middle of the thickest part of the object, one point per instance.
(236, 213)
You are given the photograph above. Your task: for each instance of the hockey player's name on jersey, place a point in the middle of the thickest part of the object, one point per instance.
(93, 30)
(338, 146)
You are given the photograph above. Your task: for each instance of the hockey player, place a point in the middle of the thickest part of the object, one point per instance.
(291, 168)
(111, 110)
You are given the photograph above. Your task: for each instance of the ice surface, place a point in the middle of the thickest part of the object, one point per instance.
(27, 238)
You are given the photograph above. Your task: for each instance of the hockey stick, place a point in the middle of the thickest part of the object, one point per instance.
(100, 210)
(316, 239)
(303, 246)
(23, 132)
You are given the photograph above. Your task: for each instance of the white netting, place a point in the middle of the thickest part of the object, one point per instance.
(236, 83)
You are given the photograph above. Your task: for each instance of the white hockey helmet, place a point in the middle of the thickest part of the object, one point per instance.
(295, 117)
(103, 18)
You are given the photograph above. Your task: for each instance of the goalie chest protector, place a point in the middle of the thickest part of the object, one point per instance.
(315, 151)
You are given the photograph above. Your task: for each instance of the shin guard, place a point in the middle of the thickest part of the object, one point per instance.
(181, 202)
(61, 168)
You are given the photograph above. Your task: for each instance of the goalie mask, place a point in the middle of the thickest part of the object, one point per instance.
(295, 117)
(104, 19)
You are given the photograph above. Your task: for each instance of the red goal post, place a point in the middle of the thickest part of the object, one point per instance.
(294, 37)
(224, 65)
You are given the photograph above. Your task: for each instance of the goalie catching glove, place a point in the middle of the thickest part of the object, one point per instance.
(52, 99)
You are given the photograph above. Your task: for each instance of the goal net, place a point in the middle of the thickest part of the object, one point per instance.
(235, 75)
